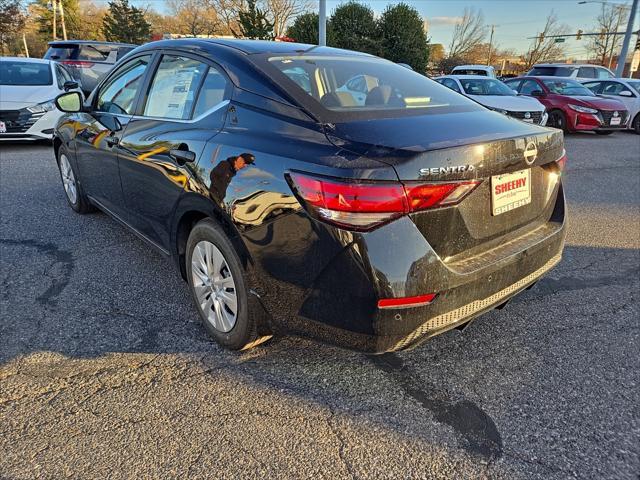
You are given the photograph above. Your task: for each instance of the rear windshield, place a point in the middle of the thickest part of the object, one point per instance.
(346, 85)
(568, 87)
(552, 71)
(93, 53)
(468, 71)
(481, 86)
(15, 72)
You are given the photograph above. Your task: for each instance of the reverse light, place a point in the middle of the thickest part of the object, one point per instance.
(362, 206)
(42, 107)
(78, 63)
(406, 302)
(581, 109)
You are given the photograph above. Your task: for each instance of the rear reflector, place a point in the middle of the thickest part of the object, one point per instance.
(78, 63)
(406, 302)
(365, 205)
(562, 161)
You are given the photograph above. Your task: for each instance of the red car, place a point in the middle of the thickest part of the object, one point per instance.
(571, 106)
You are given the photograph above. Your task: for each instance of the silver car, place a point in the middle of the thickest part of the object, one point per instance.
(626, 90)
(88, 61)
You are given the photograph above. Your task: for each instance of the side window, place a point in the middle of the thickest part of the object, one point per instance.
(61, 76)
(447, 82)
(174, 88)
(595, 87)
(212, 92)
(117, 95)
(529, 86)
(602, 73)
(587, 72)
(613, 88)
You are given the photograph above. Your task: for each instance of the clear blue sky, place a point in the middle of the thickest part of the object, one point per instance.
(515, 20)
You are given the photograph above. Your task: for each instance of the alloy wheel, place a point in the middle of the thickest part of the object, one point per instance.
(68, 179)
(214, 286)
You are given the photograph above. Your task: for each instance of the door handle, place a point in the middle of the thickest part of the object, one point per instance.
(182, 156)
(111, 141)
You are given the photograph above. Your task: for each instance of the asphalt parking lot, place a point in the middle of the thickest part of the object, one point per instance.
(105, 370)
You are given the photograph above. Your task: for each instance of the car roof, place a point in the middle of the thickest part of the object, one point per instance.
(483, 67)
(25, 59)
(89, 42)
(544, 77)
(474, 77)
(576, 65)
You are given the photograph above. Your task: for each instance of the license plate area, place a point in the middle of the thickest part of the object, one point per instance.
(615, 121)
(510, 191)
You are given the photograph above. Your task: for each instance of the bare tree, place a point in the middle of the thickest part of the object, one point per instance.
(195, 17)
(544, 47)
(468, 33)
(282, 12)
(602, 47)
(228, 14)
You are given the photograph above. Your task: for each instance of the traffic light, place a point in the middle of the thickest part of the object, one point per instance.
(541, 38)
(602, 33)
(579, 35)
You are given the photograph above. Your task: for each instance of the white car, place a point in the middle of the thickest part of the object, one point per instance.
(28, 87)
(626, 90)
(570, 70)
(495, 95)
(481, 70)
(358, 87)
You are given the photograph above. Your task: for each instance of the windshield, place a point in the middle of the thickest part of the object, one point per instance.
(361, 84)
(469, 71)
(15, 72)
(552, 71)
(480, 86)
(570, 88)
(634, 85)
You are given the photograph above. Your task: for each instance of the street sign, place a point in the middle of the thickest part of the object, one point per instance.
(560, 40)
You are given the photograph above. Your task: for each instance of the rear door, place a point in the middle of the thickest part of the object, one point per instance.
(184, 106)
(97, 143)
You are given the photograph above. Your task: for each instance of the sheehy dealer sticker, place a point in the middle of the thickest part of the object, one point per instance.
(510, 191)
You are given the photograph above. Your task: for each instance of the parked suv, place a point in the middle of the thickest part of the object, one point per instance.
(88, 61)
(570, 70)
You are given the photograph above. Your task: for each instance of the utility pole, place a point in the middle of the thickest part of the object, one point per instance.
(55, 24)
(26, 48)
(620, 9)
(627, 39)
(322, 26)
(64, 28)
(490, 45)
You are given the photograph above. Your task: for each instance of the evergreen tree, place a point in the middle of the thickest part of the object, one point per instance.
(254, 23)
(305, 29)
(11, 21)
(353, 27)
(403, 37)
(125, 23)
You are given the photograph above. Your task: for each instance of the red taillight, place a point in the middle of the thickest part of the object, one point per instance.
(365, 205)
(405, 302)
(78, 63)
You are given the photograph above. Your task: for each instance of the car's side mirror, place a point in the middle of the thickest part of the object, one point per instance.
(537, 93)
(626, 93)
(70, 85)
(70, 102)
(514, 91)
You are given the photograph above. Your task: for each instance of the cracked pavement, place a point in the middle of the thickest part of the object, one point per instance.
(105, 370)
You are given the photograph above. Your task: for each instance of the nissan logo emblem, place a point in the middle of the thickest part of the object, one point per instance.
(616, 114)
(530, 153)
(527, 115)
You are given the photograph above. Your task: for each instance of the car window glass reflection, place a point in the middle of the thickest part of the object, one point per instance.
(174, 87)
(118, 94)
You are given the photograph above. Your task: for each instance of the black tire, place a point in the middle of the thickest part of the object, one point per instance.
(557, 119)
(243, 335)
(604, 132)
(81, 203)
(636, 124)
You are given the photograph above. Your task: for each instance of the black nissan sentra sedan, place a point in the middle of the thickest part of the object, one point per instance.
(316, 191)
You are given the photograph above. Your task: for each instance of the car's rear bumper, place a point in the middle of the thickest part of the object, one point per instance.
(341, 306)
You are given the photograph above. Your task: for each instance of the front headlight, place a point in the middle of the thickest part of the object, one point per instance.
(42, 107)
(581, 109)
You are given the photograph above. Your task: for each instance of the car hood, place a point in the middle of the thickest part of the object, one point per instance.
(416, 134)
(512, 103)
(597, 102)
(14, 97)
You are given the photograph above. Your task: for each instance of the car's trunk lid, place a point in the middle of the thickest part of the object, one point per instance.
(456, 147)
